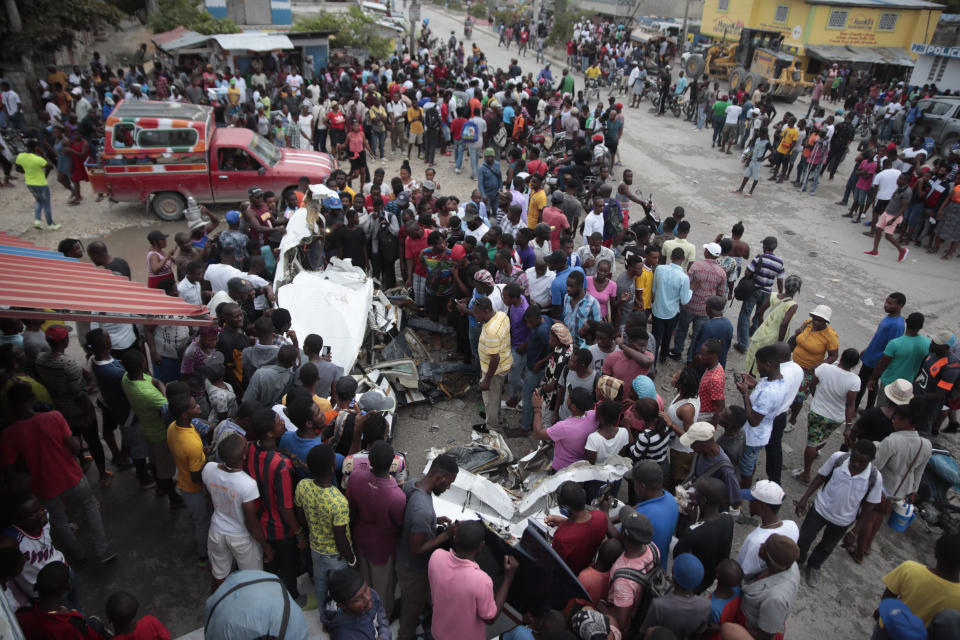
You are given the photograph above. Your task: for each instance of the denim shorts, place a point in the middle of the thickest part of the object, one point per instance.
(748, 461)
(860, 195)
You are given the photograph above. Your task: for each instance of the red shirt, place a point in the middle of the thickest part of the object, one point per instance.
(456, 127)
(148, 628)
(38, 624)
(413, 247)
(39, 441)
(537, 166)
(711, 389)
(557, 221)
(273, 472)
(618, 365)
(577, 542)
(596, 583)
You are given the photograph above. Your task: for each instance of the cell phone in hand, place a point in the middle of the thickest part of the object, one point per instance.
(326, 351)
(738, 377)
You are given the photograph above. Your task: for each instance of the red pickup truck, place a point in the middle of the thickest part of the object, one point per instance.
(164, 152)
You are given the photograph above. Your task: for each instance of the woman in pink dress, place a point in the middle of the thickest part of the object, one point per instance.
(604, 289)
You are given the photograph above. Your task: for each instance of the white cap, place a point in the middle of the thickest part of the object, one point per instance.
(822, 311)
(766, 491)
(698, 432)
(713, 249)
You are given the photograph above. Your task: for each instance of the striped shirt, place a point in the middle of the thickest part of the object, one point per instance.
(274, 475)
(495, 339)
(650, 444)
(766, 268)
(707, 278)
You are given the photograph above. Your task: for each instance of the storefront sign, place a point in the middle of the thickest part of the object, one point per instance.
(856, 38)
(936, 50)
(860, 22)
(727, 26)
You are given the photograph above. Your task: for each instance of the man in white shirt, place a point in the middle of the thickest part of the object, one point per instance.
(766, 499)
(729, 132)
(834, 388)
(10, 100)
(593, 222)
(476, 198)
(189, 287)
(235, 532)
(848, 485)
(474, 227)
(219, 274)
(539, 279)
(889, 115)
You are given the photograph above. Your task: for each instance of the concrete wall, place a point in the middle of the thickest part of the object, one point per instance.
(950, 78)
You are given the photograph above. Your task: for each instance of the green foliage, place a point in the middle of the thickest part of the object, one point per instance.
(479, 10)
(354, 29)
(563, 26)
(49, 25)
(192, 15)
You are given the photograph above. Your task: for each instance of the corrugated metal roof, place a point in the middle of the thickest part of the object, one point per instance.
(253, 41)
(846, 53)
(43, 284)
(184, 40)
(880, 4)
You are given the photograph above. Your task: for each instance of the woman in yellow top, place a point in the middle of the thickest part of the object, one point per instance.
(817, 342)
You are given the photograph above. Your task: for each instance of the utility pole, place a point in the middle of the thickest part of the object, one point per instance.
(413, 13)
(683, 34)
(16, 25)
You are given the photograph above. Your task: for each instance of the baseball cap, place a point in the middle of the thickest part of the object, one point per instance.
(483, 276)
(239, 285)
(557, 196)
(156, 235)
(590, 624)
(944, 336)
(781, 551)
(233, 217)
(698, 432)
(635, 525)
(687, 571)
(331, 203)
(899, 391)
(429, 185)
(376, 401)
(646, 472)
(765, 491)
(254, 192)
(597, 137)
(543, 227)
(899, 622)
(458, 252)
(713, 249)
(403, 199)
(489, 152)
(56, 333)
(523, 175)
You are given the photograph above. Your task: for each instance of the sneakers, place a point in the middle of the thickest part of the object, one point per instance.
(872, 254)
(110, 557)
(813, 577)
(903, 254)
(53, 227)
(310, 602)
(37, 224)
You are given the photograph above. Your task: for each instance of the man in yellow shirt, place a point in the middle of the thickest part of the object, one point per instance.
(651, 259)
(593, 72)
(496, 359)
(186, 449)
(536, 202)
(35, 169)
(415, 137)
(928, 590)
(788, 138)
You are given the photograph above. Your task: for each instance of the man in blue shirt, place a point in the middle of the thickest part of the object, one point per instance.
(717, 326)
(892, 326)
(658, 505)
(671, 289)
(557, 261)
(535, 359)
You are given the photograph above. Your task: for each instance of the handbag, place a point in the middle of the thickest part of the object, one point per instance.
(745, 288)
(792, 340)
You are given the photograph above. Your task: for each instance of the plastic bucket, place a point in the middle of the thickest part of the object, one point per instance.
(901, 516)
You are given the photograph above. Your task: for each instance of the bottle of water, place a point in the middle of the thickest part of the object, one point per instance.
(192, 213)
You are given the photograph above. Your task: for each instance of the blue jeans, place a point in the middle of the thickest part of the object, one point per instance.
(886, 128)
(377, 139)
(474, 343)
(562, 173)
(717, 128)
(848, 189)
(323, 565)
(474, 153)
(531, 380)
(41, 197)
(60, 523)
(701, 115)
(515, 376)
(199, 510)
(683, 325)
(813, 175)
(745, 326)
(458, 153)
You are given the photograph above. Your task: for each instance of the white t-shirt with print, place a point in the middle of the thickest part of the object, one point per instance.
(229, 490)
(834, 383)
(606, 448)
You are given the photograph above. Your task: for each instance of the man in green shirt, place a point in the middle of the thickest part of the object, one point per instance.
(719, 115)
(902, 357)
(567, 83)
(35, 168)
(145, 395)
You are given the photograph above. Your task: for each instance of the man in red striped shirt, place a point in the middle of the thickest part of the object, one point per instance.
(274, 474)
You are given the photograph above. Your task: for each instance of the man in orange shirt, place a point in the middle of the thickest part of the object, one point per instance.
(537, 201)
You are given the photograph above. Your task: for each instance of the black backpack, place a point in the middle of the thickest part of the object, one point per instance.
(655, 583)
(432, 119)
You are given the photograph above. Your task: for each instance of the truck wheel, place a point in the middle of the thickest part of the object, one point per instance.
(749, 83)
(736, 77)
(694, 65)
(168, 205)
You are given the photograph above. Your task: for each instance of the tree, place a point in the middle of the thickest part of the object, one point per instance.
(192, 15)
(353, 29)
(49, 25)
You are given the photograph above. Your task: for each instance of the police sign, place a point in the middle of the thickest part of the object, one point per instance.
(936, 50)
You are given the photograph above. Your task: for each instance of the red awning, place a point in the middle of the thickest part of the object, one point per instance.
(43, 284)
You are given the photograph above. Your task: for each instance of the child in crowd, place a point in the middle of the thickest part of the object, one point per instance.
(122, 612)
(725, 599)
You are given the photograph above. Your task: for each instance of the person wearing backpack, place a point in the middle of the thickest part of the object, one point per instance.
(472, 137)
(431, 135)
(849, 485)
(634, 572)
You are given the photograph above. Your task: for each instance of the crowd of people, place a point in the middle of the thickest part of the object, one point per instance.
(567, 306)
